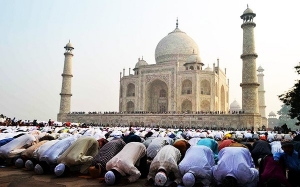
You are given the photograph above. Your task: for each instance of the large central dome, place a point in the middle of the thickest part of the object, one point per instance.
(177, 45)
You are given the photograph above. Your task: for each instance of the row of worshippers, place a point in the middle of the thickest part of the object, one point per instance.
(163, 160)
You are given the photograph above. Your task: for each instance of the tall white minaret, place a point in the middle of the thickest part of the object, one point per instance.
(261, 95)
(249, 78)
(65, 95)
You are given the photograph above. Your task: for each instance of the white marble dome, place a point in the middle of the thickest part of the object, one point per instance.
(260, 69)
(193, 58)
(141, 62)
(69, 45)
(208, 68)
(235, 105)
(272, 113)
(248, 11)
(176, 46)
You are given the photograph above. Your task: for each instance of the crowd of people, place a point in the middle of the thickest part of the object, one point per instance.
(161, 157)
(170, 112)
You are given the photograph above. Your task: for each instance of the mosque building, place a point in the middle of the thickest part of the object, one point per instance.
(178, 90)
(178, 82)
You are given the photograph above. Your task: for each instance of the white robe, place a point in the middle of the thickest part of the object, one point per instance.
(15, 147)
(199, 160)
(238, 163)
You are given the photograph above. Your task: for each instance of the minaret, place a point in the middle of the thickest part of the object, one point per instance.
(261, 92)
(249, 79)
(65, 95)
(261, 96)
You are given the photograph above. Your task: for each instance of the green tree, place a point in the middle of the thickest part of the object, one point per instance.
(292, 99)
(285, 118)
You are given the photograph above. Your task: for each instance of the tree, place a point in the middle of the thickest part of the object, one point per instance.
(292, 99)
(284, 117)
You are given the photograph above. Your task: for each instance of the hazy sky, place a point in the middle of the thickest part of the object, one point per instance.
(111, 35)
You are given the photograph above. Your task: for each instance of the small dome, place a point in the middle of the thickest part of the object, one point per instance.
(141, 62)
(248, 11)
(69, 45)
(176, 46)
(272, 113)
(193, 58)
(260, 69)
(235, 105)
(208, 68)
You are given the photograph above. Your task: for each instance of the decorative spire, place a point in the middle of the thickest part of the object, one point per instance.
(177, 23)
(69, 40)
(247, 6)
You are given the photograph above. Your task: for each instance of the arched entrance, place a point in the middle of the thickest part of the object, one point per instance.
(205, 106)
(205, 87)
(130, 106)
(186, 106)
(157, 97)
(186, 87)
(130, 90)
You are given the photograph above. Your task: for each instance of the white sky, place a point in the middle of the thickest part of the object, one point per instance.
(111, 35)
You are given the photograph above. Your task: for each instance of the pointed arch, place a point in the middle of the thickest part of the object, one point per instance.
(205, 106)
(157, 96)
(186, 106)
(186, 87)
(205, 87)
(130, 106)
(130, 90)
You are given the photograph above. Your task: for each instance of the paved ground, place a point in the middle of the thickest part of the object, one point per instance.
(13, 177)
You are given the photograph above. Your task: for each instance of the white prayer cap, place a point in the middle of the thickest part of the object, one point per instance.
(160, 178)
(19, 163)
(38, 169)
(29, 165)
(188, 179)
(59, 169)
(110, 178)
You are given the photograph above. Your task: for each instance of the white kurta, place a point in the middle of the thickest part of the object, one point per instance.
(124, 162)
(17, 146)
(43, 148)
(198, 160)
(51, 155)
(238, 163)
(81, 152)
(167, 159)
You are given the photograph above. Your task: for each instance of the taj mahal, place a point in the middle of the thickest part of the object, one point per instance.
(178, 90)
(177, 82)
